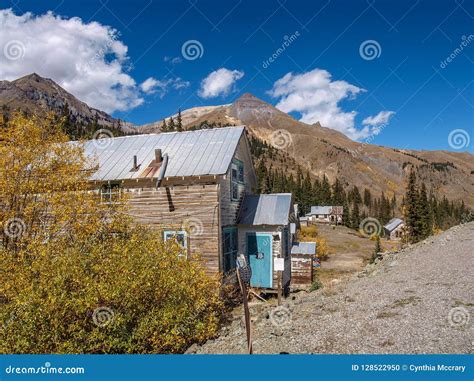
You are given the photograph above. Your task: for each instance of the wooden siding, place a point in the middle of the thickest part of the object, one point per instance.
(229, 208)
(173, 207)
(301, 270)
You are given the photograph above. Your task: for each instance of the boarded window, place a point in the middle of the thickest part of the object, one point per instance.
(229, 248)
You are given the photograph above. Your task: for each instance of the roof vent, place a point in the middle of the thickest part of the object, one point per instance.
(158, 156)
(135, 165)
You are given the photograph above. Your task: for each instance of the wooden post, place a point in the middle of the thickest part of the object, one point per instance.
(243, 288)
(279, 287)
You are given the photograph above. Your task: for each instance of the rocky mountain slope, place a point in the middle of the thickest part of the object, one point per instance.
(322, 150)
(35, 94)
(418, 300)
(318, 149)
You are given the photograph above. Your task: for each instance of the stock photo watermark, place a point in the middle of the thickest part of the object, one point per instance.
(192, 50)
(14, 50)
(287, 41)
(465, 41)
(370, 50)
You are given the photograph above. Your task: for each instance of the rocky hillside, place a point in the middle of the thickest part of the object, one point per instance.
(35, 94)
(318, 149)
(418, 300)
(323, 150)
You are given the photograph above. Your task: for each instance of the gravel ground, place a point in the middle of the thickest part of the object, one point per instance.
(419, 300)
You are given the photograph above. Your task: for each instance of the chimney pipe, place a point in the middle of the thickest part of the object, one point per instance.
(135, 164)
(158, 156)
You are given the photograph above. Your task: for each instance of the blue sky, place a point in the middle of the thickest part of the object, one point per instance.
(406, 84)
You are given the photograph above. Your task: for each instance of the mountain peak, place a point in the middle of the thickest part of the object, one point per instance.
(35, 94)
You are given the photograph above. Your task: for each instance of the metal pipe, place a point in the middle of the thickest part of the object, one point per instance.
(161, 173)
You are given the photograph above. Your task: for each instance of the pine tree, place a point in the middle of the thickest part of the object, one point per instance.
(367, 198)
(164, 126)
(306, 194)
(338, 194)
(355, 218)
(179, 122)
(412, 209)
(377, 249)
(171, 124)
(325, 191)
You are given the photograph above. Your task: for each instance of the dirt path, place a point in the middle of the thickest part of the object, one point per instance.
(419, 300)
(348, 251)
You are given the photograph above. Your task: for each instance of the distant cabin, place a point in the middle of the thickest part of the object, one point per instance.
(325, 214)
(394, 229)
(190, 186)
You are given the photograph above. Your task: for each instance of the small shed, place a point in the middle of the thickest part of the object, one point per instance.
(303, 255)
(304, 221)
(394, 229)
(264, 236)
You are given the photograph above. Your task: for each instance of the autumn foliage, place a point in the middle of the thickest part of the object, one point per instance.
(77, 275)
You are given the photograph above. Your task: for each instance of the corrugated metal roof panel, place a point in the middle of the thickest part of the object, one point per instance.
(190, 153)
(320, 210)
(393, 223)
(265, 209)
(304, 248)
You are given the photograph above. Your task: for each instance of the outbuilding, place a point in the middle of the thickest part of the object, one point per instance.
(394, 229)
(265, 237)
(303, 256)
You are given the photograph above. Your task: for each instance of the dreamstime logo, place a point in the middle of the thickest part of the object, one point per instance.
(458, 317)
(192, 50)
(14, 50)
(14, 227)
(466, 40)
(370, 50)
(370, 227)
(194, 226)
(103, 316)
(459, 139)
(281, 139)
(102, 138)
(280, 316)
(287, 41)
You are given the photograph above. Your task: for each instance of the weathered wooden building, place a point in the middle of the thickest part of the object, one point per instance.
(265, 237)
(303, 255)
(189, 186)
(394, 229)
(325, 214)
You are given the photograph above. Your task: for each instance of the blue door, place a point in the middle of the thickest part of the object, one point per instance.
(259, 252)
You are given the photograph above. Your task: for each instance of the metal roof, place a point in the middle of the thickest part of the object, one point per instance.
(265, 209)
(304, 248)
(190, 153)
(393, 224)
(320, 210)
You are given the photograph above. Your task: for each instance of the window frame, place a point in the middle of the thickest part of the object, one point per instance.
(238, 180)
(169, 234)
(233, 248)
(110, 193)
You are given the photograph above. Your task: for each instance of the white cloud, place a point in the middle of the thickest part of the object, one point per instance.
(219, 82)
(85, 58)
(316, 97)
(382, 117)
(152, 85)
